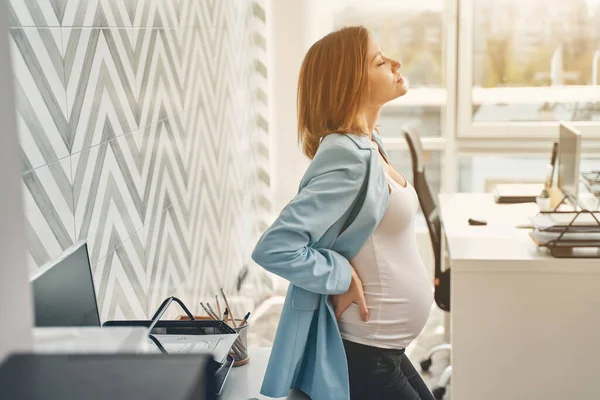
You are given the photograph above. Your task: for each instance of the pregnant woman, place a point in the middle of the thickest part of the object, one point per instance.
(359, 292)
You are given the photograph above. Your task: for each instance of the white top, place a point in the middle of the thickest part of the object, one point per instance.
(398, 290)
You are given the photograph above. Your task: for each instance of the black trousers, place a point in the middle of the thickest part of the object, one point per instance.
(383, 374)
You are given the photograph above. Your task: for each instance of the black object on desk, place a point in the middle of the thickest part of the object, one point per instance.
(107, 376)
(477, 222)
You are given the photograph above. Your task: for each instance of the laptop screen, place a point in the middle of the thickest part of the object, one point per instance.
(64, 292)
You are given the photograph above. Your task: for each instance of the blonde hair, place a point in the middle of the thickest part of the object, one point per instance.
(332, 87)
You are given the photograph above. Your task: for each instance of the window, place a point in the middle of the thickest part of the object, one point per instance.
(393, 119)
(412, 33)
(529, 64)
(488, 81)
(416, 34)
(480, 173)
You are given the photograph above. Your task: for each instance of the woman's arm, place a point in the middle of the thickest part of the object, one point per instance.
(285, 248)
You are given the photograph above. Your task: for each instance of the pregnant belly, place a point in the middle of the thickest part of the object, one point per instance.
(396, 318)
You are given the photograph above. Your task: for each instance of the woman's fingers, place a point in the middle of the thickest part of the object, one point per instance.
(358, 296)
(355, 294)
(362, 304)
(342, 305)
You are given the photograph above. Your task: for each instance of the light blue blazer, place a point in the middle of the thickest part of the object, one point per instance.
(341, 200)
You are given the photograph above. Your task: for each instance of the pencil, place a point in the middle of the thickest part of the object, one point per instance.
(229, 308)
(225, 315)
(245, 320)
(212, 311)
(218, 304)
(206, 309)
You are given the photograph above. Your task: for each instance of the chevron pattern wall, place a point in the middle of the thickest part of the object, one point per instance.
(143, 131)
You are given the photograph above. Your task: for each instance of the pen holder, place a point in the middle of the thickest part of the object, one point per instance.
(239, 350)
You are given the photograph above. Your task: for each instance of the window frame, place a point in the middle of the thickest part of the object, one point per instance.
(445, 98)
(460, 136)
(466, 128)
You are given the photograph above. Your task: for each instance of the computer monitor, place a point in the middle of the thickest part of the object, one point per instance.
(64, 292)
(569, 158)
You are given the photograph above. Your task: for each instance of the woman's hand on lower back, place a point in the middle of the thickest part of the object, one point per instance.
(355, 294)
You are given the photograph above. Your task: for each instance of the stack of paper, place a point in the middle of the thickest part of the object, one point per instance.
(566, 229)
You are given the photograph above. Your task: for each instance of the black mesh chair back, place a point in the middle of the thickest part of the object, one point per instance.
(430, 209)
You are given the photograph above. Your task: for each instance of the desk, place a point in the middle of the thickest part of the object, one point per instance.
(244, 382)
(524, 325)
(88, 340)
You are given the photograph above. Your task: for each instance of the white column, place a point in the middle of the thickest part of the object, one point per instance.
(287, 43)
(15, 298)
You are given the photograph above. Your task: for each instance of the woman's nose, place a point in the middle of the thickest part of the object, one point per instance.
(396, 65)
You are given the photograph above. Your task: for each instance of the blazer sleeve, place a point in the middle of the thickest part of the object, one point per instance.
(286, 248)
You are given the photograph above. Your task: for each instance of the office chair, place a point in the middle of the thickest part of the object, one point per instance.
(431, 209)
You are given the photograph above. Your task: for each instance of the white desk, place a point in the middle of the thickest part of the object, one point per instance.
(244, 382)
(524, 325)
(88, 340)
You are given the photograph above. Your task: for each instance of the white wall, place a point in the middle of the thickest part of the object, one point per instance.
(288, 45)
(15, 299)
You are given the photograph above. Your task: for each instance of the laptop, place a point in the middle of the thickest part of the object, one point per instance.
(65, 306)
(63, 291)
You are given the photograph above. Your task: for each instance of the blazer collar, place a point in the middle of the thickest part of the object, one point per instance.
(363, 141)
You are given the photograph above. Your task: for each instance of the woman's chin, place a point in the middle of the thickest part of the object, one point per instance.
(402, 90)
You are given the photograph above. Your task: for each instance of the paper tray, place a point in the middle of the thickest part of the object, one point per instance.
(177, 327)
(197, 336)
(567, 240)
(558, 221)
(188, 336)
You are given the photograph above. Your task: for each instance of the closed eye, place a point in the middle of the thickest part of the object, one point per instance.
(379, 65)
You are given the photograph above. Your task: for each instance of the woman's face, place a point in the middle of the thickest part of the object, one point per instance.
(385, 81)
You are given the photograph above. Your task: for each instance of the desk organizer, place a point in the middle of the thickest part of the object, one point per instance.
(576, 235)
(189, 335)
(239, 350)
